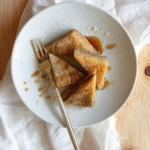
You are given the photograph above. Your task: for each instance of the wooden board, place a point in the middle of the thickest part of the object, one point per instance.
(10, 13)
(133, 120)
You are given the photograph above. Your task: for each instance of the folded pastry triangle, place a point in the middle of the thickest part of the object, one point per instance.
(92, 63)
(82, 93)
(64, 73)
(69, 42)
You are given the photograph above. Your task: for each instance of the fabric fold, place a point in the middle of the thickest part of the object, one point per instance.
(20, 129)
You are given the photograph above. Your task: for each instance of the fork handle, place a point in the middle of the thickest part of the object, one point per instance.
(65, 116)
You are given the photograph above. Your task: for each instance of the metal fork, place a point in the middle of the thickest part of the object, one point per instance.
(45, 64)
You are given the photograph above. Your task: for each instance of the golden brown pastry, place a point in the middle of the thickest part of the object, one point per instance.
(67, 44)
(82, 93)
(64, 73)
(93, 63)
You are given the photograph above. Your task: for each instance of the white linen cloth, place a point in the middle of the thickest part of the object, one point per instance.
(20, 129)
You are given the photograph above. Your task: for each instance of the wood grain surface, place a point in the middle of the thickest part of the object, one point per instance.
(10, 13)
(133, 120)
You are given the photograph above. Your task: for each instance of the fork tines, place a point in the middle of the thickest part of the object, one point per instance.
(40, 50)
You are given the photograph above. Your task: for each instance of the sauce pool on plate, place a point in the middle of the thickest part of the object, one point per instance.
(95, 41)
(111, 46)
(43, 76)
(40, 89)
(36, 73)
(24, 82)
(26, 89)
(109, 68)
(107, 83)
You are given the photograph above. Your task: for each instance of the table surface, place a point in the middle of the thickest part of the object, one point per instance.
(133, 120)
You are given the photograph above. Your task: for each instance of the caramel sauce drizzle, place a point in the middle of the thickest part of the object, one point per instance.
(95, 41)
(24, 82)
(43, 76)
(48, 97)
(109, 68)
(107, 83)
(66, 67)
(26, 89)
(40, 89)
(36, 73)
(111, 46)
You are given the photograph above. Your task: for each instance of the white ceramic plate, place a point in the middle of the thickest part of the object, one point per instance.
(51, 24)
